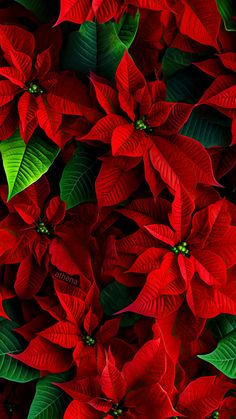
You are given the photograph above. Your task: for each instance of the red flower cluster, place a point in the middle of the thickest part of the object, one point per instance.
(117, 209)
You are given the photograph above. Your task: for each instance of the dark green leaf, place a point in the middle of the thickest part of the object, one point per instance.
(77, 184)
(222, 325)
(13, 309)
(43, 9)
(114, 297)
(224, 356)
(10, 368)
(50, 402)
(128, 319)
(174, 60)
(99, 47)
(187, 85)
(227, 9)
(209, 127)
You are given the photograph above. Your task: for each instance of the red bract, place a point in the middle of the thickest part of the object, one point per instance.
(79, 11)
(81, 329)
(43, 232)
(147, 132)
(221, 94)
(193, 254)
(118, 266)
(142, 387)
(203, 396)
(32, 84)
(201, 21)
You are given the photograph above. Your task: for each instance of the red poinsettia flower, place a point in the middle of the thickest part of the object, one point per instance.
(143, 387)
(203, 397)
(44, 231)
(31, 83)
(147, 131)
(193, 254)
(80, 330)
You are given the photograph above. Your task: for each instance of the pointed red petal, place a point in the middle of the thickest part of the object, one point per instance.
(56, 211)
(208, 302)
(7, 91)
(115, 182)
(64, 334)
(27, 108)
(103, 129)
(73, 306)
(16, 38)
(163, 233)
(49, 119)
(148, 261)
(182, 209)
(68, 95)
(201, 21)
(29, 279)
(112, 381)
(210, 267)
(22, 62)
(43, 355)
(201, 397)
(82, 410)
(106, 95)
(148, 365)
(74, 11)
(128, 77)
(127, 141)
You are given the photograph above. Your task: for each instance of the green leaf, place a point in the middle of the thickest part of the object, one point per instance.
(227, 10)
(41, 8)
(10, 368)
(224, 356)
(99, 47)
(127, 28)
(114, 297)
(174, 60)
(12, 308)
(77, 183)
(25, 164)
(50, 402)
(222, 325)
(209, 127)
(129, 319)
(187, 85)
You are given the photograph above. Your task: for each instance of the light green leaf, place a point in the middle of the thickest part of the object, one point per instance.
(227, 10)
(209, 127)
(10, 368)
(224, 356)
(50, 402)
(77, 184)
(25, 164)
(99, 47)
